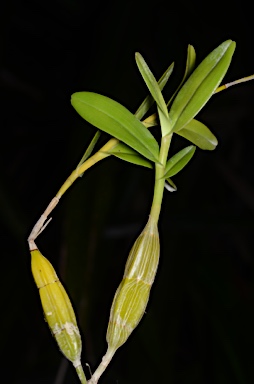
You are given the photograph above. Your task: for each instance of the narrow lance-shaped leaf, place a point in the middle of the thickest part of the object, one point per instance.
(155, 92)
(89, 149)
(198, 134)
(113, 118)
(149, 100)
(151, 83)
(152, 120)
(179, 161)
(191, 61)
(190, 65)
(201, 84)
(123, 152)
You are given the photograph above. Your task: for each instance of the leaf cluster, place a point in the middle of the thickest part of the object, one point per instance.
(135, 143)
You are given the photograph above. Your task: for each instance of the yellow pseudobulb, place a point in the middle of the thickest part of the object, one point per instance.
(57, 308)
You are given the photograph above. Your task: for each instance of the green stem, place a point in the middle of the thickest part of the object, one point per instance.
(81, 375)
(159, 180)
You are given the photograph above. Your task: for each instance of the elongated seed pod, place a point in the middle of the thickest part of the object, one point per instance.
(132, 295)
(57, 308)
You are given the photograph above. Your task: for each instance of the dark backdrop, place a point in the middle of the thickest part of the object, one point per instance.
(199, 323)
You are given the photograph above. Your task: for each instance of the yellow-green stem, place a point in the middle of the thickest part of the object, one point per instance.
(40, 225)
(101, 154)
(225, 86)
(81, 375)
(159, 180)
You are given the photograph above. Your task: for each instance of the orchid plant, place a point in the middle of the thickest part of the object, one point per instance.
(132, 140)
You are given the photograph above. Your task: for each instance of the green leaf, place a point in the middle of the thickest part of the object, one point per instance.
(171, 187)
(201, 84)
(123, 152)
(179, 161)
(151, 83)
(151, 121)
(156, 93)
(113, 118)
(149, 100)
(198, 134)
(190, 65)
(89, 149)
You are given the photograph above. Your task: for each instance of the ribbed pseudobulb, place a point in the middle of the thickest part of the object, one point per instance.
(57, 308)
(132, 295)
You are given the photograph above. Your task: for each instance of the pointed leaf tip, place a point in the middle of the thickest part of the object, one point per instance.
(123, 152)
(177, 162)
(149, 100)
(151, 83)
(198, 134)
(201, 84)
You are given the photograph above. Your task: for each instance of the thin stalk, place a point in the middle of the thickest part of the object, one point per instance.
(101, 154)
(242, 80)
(81, 375)
(40, 224)
(159, 179)
(102, 366)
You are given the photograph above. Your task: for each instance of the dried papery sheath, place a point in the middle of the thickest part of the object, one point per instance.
(57, 308)
(132, 295)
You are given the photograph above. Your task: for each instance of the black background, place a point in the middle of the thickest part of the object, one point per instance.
(199, 323)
